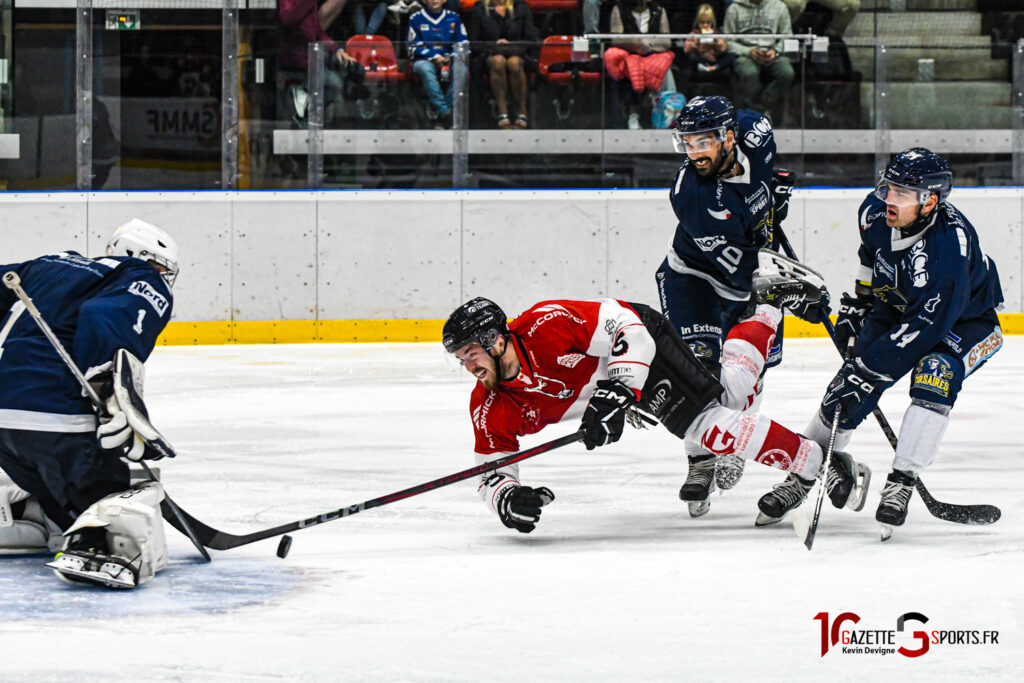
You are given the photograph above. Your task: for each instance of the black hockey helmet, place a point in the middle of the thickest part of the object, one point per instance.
(918, 169)
(478, 320)
(702, 115)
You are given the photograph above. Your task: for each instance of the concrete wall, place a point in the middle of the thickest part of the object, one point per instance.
(255, 256)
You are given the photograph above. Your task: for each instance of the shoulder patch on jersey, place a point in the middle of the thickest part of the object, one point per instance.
(157, 300)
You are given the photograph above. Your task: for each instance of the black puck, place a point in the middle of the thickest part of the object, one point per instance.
(284, 546)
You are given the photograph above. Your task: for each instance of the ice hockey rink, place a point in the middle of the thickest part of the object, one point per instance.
(616, 583)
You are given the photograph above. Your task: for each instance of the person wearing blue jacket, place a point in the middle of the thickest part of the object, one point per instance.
(925, 304)
(433, 33)
(59, 458)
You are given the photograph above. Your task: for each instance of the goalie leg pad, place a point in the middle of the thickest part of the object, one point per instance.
(134, 527)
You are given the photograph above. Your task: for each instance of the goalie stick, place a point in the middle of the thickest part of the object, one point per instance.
(221, 540)
(13, 283)
(949, 512)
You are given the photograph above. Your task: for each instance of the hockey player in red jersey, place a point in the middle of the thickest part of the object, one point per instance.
(599, 359)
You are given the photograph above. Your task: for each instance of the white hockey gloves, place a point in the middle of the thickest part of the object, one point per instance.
(128, 428)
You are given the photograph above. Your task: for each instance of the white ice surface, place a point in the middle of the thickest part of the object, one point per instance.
(616, 583)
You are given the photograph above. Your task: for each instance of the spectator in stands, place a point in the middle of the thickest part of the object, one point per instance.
(507, 26)
(302, 23)
(843, 12)
(433, 33)
(707, 54)
(644, 61)
(760, 58)
(364, 26)
(592, 15)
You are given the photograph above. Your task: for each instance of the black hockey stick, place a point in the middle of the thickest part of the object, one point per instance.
(221, 540)
(13, 283)
(949, 512)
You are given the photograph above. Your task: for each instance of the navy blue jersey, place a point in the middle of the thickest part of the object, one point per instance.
(719, 217)
(94, 306)
(923, 284)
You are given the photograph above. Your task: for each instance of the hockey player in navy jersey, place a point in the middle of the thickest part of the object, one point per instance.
(925, 304)
(61, 464)
(727, 198)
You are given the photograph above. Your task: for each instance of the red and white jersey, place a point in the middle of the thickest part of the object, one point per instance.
(565, 347)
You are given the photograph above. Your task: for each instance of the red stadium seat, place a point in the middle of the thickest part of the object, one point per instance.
(381, 66)
(558, 50)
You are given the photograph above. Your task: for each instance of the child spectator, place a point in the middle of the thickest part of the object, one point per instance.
(706, 54)
(433, 33)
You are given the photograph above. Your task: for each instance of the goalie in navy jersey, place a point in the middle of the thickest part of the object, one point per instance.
(728, 199)
(601, 359)
(925, 304)
(62, 467)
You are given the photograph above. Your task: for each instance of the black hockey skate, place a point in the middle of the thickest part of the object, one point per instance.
(700, 482)
(892, 510)
(847, 482)
(85, 560)
(783, 497)
(728, 471)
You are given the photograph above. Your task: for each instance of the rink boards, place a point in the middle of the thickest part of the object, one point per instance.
(261, 267)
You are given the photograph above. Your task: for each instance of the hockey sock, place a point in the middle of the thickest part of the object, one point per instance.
(920, 434)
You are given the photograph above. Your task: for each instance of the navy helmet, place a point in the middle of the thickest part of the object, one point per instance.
(701, 115)
(479, 320)
(918, 169)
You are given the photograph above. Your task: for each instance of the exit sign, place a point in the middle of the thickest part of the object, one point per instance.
(123, 20)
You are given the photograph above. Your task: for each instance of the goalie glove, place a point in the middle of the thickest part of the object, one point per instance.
(519, 506)
(605, 415)
(115, 434)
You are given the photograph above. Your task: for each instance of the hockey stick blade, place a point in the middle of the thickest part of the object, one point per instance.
(802, 527)
(959, 514)
(221, 540)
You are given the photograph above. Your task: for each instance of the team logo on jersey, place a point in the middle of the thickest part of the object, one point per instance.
(932, 303)
(570, 360)
(709, 243)
(550, 312)
(155, 298)
(700, 349)
(933, 374)
(919, 262)
(722, 215)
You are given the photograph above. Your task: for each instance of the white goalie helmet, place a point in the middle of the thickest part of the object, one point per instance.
(145, 241)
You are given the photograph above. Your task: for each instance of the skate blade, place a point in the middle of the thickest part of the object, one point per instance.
(802, 527)
(859, 495)
(887, 532)
(767, 520)
(699, 508)
(73, 574)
